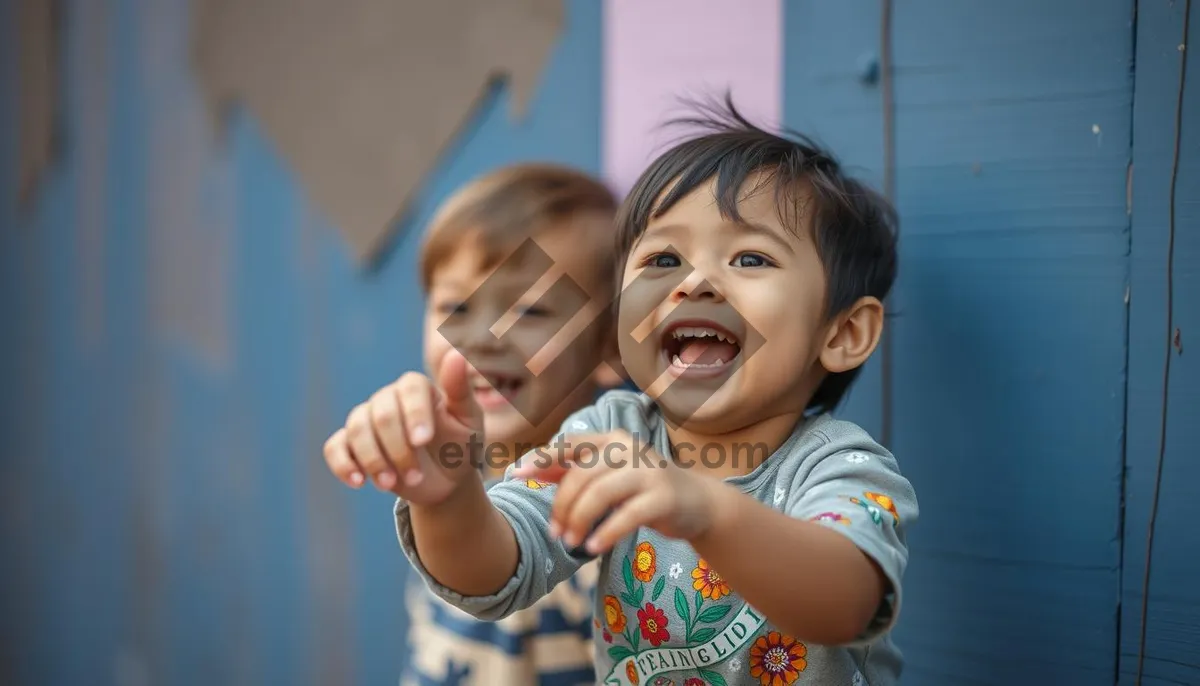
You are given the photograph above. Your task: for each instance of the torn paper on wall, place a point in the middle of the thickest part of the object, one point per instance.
(38, 42)
(361, 97)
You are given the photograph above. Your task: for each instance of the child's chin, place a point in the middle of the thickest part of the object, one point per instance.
(699, 409)
(505, 425)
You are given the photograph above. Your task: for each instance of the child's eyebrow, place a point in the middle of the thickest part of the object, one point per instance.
(446, 285)
(667, 230)
(765, 231)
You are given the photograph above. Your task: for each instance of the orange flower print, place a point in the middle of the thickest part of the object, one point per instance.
(613, 614)
(875, 514)
(645, 562)
(693, 681)
(653, 623)
(886, 503)
(832, 518)
(631, 672)
(708, 582)
(777, 660)
(536, 484)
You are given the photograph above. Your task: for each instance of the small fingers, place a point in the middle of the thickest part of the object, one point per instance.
(546, 463)
(574, 478)
(602, 494)
(570, 482)
(366, 450)
(388, 427)
(341, 462)
(415, 393)
(416, 399)
(641, 510)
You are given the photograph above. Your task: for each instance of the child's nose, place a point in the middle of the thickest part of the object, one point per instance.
(697, 287)
(480, 338)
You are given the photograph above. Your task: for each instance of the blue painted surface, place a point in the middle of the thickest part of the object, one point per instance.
(1010, 327)
(167, 518)
(1172, 651)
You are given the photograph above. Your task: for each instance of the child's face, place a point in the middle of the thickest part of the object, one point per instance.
(758, 284)
(506, 349)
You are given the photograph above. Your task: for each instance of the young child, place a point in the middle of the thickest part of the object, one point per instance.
(472, 270)
(744, 535)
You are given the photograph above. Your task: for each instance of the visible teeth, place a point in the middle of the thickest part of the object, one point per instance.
(700, 332)
(498, 384)
(677, 362)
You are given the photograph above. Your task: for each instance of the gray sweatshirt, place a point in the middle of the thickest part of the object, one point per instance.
(667, 618)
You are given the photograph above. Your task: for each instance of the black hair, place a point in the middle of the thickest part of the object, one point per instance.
(854, 227)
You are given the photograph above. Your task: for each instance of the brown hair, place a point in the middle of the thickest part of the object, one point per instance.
(509, 205)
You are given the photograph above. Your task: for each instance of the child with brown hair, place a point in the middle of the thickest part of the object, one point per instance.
(526, 248)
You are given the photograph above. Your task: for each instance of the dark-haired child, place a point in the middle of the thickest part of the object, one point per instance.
(745, 536)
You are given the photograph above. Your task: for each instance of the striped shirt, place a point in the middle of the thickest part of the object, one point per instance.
(548, 644)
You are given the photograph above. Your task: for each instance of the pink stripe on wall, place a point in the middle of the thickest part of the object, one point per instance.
(656, 51)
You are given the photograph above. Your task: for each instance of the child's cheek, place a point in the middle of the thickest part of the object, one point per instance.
(561, 336)
(435, 348)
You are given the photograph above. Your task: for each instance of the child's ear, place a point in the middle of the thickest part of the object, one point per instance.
(853, 336)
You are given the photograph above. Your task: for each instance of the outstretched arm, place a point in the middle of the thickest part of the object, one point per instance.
(464, 542)
(808, 580)
(824, 563)
(393, 438)
(488, 553)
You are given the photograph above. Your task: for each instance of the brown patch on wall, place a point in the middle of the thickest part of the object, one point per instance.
(361, 97)
(38, 39)
(190, 199)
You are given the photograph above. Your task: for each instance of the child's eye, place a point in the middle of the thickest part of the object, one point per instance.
(532, 311)
(751, 259)
(662, 260)
(448, 308)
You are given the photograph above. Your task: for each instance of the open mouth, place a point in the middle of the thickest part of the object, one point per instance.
(699, 347)
(494, 390)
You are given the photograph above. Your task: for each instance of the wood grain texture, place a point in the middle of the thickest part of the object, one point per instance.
(1012, 134)
(1172, 647)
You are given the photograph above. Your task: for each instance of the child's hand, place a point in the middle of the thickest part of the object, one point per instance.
(651, 491)
(393, 437)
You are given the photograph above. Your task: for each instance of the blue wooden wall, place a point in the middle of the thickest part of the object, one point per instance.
(182, 331)
(1172, 606)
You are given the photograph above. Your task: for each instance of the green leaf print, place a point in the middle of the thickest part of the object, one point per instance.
(639, 595)
(633, 637)
(681, 606)
(658, 588)
(713, 678)
(629, 600)
(703, 635)
(699, 601)
(618, 653)
(714, 614)
(627, 572)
